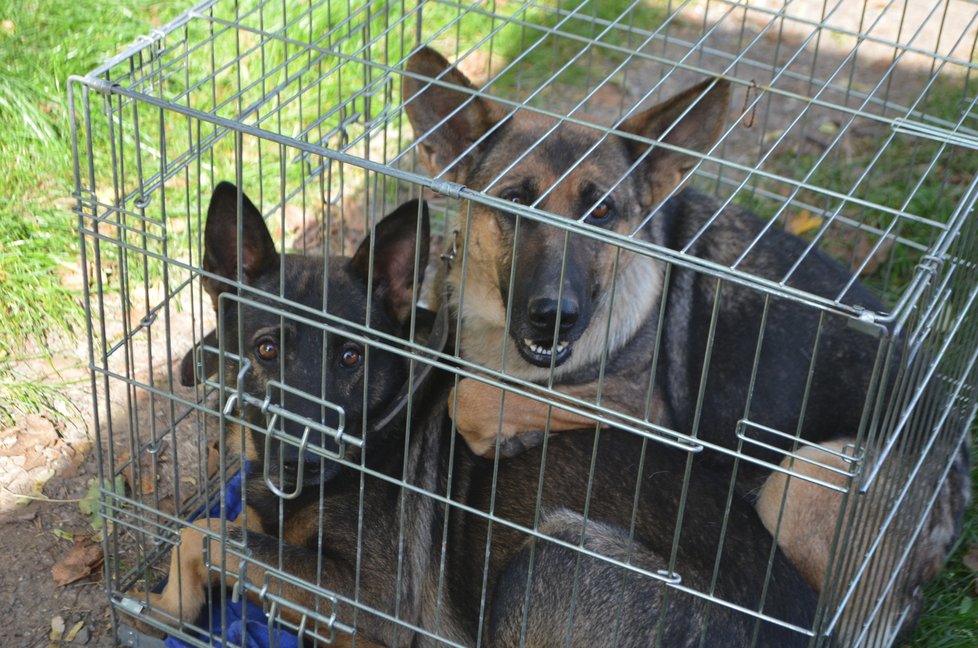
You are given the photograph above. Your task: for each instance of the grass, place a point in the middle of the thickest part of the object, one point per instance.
(44, 41)
(41, 43)
(937, 175)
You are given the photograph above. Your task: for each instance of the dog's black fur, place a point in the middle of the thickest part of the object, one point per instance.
(722, 362)
(431, 562)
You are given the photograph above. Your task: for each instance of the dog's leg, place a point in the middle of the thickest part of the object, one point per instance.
(481, 415)
(185, 593)
(188, 578)
(806, 516)
(808, 521)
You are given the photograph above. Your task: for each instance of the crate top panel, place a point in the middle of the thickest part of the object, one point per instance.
(850, 123)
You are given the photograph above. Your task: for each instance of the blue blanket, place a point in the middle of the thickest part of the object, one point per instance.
(245, 623)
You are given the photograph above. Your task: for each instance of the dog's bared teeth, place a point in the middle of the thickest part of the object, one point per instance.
(536, 347)
(539, 349)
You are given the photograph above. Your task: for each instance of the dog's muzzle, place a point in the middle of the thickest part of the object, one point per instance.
(538, 344)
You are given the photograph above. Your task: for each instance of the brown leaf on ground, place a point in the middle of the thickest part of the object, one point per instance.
(29, 439)
(84, 560)
(606, 101)
(861, 251)
(168, 505)
(31, 453)
(802, 221)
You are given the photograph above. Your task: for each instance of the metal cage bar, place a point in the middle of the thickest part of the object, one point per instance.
(852, 127)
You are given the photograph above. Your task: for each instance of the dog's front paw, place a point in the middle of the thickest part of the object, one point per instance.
(481, 414)
(475, 408)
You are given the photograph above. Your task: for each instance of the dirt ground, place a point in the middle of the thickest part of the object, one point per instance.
(39, 612)
(47, 463)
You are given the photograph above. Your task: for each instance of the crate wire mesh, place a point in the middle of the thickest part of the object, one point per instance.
(853, 125)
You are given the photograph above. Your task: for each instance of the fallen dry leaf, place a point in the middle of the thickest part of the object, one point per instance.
(84, 559)
(29, 516)
(168, 505)
(57, 628)
(856, 248)
(29, 440)
(75, 629)
(801, 222)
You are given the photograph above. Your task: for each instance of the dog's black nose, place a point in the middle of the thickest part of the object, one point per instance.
(543, 313)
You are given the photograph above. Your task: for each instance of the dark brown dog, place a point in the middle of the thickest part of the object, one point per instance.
(727, 364)
(449, 554)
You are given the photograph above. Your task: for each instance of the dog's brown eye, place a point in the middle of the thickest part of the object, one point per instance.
(267, 349)
(350, 356)
(601, 211)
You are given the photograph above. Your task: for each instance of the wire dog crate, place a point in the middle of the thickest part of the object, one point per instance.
(852, 125)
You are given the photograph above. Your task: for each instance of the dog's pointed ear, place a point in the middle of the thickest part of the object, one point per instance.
(395, 240)
(692, 120)
(429, 103)
(189, 376)
(221, 239)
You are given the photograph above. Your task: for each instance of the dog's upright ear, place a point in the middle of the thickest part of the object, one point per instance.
(446, 120)
(221, 242)
(395, 240)
(189, 376)
(692, 120)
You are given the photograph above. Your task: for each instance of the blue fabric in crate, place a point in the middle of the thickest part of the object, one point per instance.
(253, 633)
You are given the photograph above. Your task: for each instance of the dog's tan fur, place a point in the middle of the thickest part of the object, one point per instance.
(482, 328)
(631, 284)
(813, 523)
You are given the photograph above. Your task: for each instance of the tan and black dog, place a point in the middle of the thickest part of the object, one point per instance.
(426, 553)
(720, 362)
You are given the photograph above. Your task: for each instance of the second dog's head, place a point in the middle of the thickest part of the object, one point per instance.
(289, 326)
(560, 290)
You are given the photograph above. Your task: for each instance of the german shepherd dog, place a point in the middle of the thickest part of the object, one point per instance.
(450, 555)
(671, 345)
